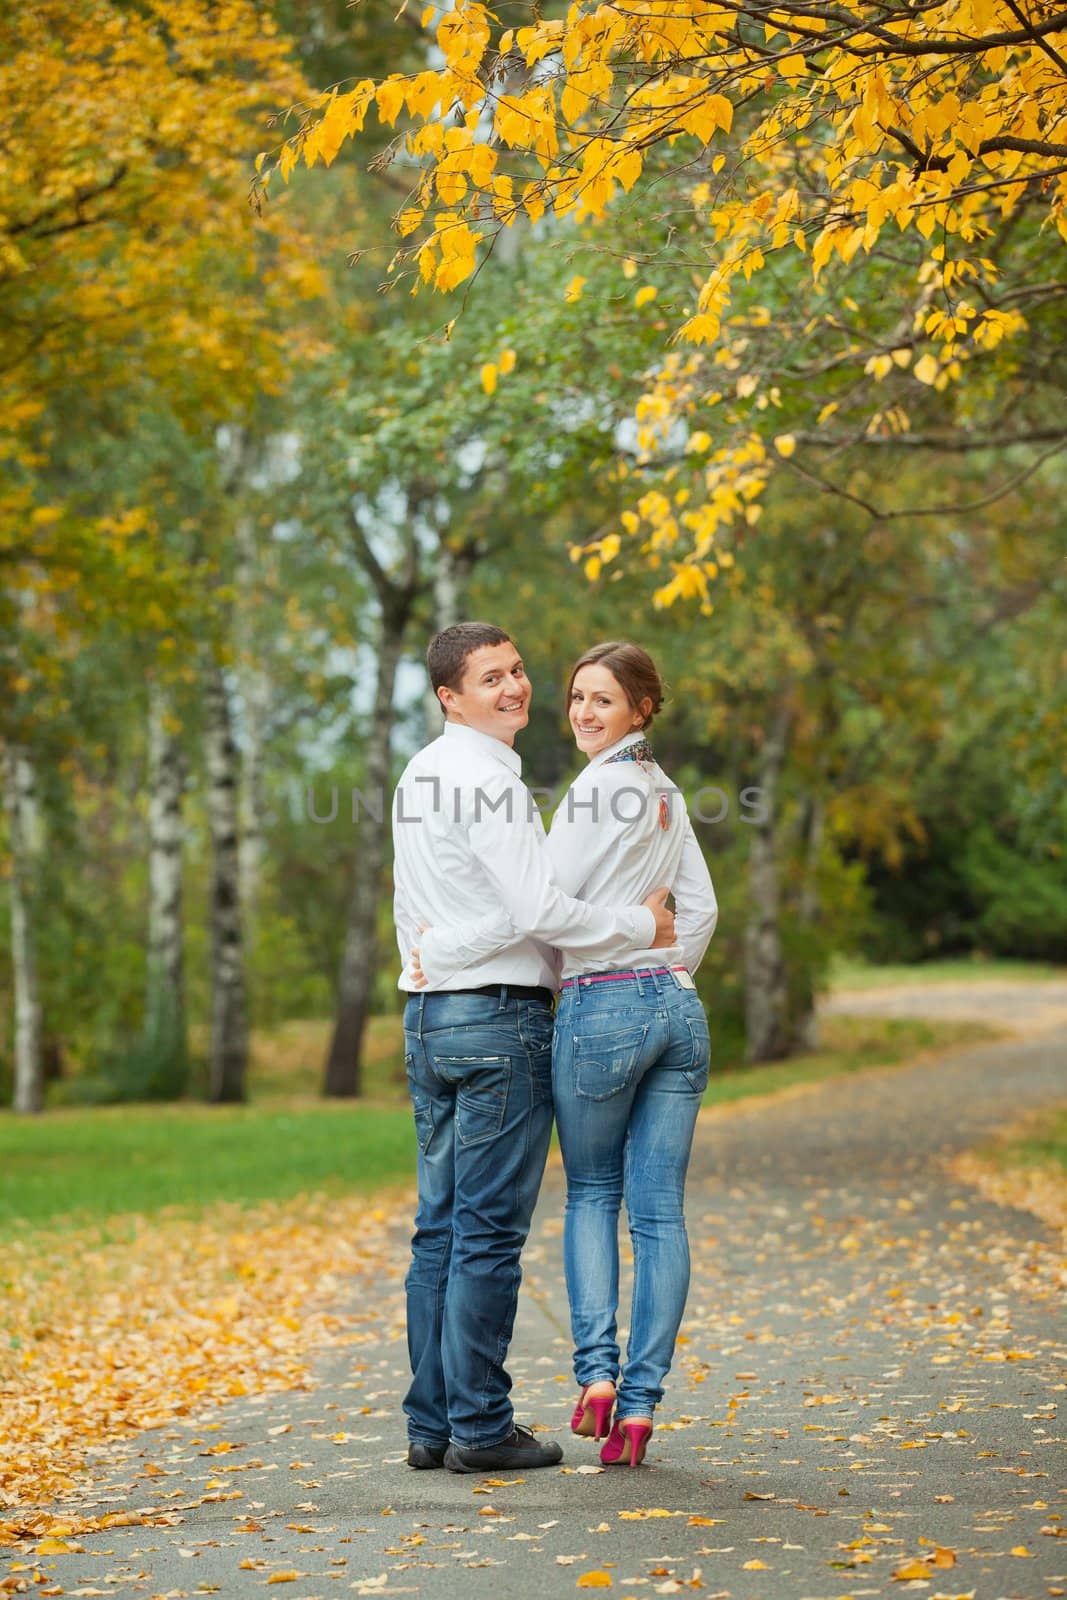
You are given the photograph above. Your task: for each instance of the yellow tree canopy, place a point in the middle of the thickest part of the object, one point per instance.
(131, 266)
(804, 130)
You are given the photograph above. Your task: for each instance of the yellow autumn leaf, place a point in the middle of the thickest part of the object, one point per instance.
(489, 377)
(756, 1566)
(1021, 1550)
(289, 1575)
(57, 1547)
(506, 362)
(785, 444)
(926, 369)
(592, 568)
(645, 295)
(389, 97)
(594, 1580)
(574, 289)
(911, 1570)
(408, 221)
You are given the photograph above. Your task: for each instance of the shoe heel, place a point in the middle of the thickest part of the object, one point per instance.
(638, 1434)
(592, 1417)
(627, 1444)
(602, 1406)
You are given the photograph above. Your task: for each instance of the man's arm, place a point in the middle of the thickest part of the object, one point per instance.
(512, 853)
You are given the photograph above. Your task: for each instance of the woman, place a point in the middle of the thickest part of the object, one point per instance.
(631, 1049)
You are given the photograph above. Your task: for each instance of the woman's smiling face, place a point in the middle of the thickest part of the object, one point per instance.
(599, 712)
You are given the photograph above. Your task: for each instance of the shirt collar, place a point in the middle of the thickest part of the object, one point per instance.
(486, 744)
(621, 744)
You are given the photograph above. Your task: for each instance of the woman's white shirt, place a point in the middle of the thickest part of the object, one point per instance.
(608, 844)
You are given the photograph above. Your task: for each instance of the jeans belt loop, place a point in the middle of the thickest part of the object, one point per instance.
(503, 1002)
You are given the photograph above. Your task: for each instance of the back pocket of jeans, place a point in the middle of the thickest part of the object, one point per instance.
(481, 1096)
(698, 1069)
(604, 1063)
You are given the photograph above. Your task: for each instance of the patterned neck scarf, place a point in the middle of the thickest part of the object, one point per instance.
(641, 751)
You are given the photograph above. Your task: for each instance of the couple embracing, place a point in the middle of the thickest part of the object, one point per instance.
(491, 915)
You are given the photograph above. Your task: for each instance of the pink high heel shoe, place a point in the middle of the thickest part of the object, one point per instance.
(626, 1447)
(592, 1415)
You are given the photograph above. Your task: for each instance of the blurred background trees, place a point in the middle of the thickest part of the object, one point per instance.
(241, 487)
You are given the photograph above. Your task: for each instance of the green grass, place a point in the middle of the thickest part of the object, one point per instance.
(74, 1166)
(1044, 1144)
(89, 1165)
(849, 973)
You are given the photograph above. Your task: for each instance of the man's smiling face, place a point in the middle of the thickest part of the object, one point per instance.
(494, 696)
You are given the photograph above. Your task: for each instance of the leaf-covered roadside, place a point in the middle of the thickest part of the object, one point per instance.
(105, 1334)
(1026, 1169)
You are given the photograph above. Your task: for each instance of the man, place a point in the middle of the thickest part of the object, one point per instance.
(478, 1045)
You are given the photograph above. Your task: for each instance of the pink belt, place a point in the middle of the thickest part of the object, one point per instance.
(617, 977)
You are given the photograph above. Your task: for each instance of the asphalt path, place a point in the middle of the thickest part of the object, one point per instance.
(870, 1382)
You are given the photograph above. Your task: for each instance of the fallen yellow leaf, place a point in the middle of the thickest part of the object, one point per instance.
(910, 1570)
(285, 1577)
(594, 1580)
(756, 1566)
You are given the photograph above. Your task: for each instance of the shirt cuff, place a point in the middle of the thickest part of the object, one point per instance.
(435, 967)
(643, 927)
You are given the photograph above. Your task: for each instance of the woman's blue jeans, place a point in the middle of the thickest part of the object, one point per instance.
(479, 1070)
(629, 1068)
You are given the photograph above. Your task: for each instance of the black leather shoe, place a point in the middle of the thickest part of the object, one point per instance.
(522, 1450)
(424, 1457)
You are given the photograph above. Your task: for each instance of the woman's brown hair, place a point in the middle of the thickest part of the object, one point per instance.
(632, 668)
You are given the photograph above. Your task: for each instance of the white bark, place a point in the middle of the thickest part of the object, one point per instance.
(229, 1020)
(256, 699)
(165, 997)
(24, 831)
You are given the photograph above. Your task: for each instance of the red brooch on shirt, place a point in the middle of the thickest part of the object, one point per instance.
(641, 751)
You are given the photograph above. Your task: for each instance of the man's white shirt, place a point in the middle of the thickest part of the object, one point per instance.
(470, 852)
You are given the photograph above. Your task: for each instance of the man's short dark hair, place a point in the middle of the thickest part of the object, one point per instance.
(446, 657)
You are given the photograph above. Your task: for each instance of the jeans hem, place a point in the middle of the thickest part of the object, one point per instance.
(431, 1444)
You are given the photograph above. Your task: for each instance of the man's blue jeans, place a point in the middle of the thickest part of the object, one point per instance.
(630, 1065)
(480, 1075)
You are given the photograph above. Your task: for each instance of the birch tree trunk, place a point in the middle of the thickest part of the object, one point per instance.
(806, 1022)
(359, 961)
(20, 800)
(165, 995)
(256, 698)
(229, 1019)
(766, 994)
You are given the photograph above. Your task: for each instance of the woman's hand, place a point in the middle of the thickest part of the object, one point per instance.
(657, 904)
(418, 976)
